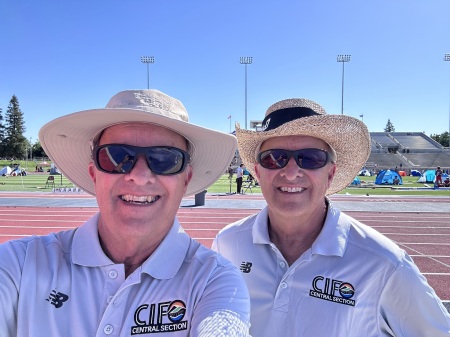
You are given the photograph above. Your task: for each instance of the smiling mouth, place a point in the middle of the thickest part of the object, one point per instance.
(291, 189)
(139, 200)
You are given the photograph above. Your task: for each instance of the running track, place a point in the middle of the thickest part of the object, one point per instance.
(424, 235)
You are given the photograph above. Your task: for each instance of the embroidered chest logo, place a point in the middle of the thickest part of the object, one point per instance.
(332, 290)
(161, 317)
(246, 267)
(57, 298)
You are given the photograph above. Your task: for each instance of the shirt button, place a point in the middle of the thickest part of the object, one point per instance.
(112, 274)
(283, 285)
(282, 264)
(108, 329)
(109, 299)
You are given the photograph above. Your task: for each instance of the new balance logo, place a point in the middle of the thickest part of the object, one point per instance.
(246, 267)
(57, 299)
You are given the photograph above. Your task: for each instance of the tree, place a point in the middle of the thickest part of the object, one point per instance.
(441, 139)
(389, 127)
(37, 149)
(15, 142)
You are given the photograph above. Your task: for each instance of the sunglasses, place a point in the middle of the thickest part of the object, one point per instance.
(309, 159)
(121, 158)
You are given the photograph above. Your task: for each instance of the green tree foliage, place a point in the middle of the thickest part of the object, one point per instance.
(14, 141)
(2, 127)
(389, 127)
(441, 139)
(38, 151)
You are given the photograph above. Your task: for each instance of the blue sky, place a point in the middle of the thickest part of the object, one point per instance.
(59, 57)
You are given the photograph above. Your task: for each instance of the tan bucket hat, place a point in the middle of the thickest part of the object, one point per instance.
(67, 140)
(348, 136)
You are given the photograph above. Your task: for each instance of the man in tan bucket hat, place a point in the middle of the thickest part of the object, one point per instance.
(130, 269)
(312, 270)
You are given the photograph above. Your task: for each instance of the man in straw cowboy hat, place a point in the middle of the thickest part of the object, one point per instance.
(130, 269)
(310, 269)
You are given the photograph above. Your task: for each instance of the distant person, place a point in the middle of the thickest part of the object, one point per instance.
(447, 182)
(239, 177)
(230, 172)
(130, 269)
(396, 181)
(438, 173)
(313, 271)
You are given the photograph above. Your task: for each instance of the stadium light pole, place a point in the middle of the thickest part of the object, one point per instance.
(245, 61)
(343, 59)
(447, 58)
(147, 60)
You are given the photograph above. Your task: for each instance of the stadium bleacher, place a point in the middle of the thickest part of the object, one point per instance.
(406, 150)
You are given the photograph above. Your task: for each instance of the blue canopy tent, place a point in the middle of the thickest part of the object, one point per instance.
(428, 176)
(386, 177)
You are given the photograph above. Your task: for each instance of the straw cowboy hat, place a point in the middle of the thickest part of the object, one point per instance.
(68, 140)
(348, 136)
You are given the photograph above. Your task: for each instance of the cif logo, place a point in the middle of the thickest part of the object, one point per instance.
(333, 287)
(157, 314)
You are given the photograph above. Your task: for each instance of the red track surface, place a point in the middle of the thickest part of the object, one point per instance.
(425, 236)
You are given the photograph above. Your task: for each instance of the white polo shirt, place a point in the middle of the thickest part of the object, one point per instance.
(352, 282)
(64, 285)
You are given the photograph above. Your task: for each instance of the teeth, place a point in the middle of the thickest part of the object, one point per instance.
(291, 189)
(139, 199)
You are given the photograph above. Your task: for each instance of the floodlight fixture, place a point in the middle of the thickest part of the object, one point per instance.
(148, 60)
(447, 58)
(245, 61)
(343, 59)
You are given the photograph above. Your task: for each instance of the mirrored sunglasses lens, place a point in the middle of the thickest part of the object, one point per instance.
(312, 158)
(273, 159)
(165, 161)
(115, 159)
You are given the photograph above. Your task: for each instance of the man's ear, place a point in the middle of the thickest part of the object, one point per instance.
(188, 175)
(331, 174)
(91, 171)
(255, 168)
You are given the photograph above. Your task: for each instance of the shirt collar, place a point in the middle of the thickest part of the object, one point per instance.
(333, 237)
(260, 230)
(164, 263)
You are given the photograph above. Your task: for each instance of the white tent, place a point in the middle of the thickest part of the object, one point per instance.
(364, 172)
(5, 170)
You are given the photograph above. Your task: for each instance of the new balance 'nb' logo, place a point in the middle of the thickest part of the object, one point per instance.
(246, 267)
(57, 298)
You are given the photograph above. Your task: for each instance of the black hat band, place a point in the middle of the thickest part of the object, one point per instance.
(279, 117)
